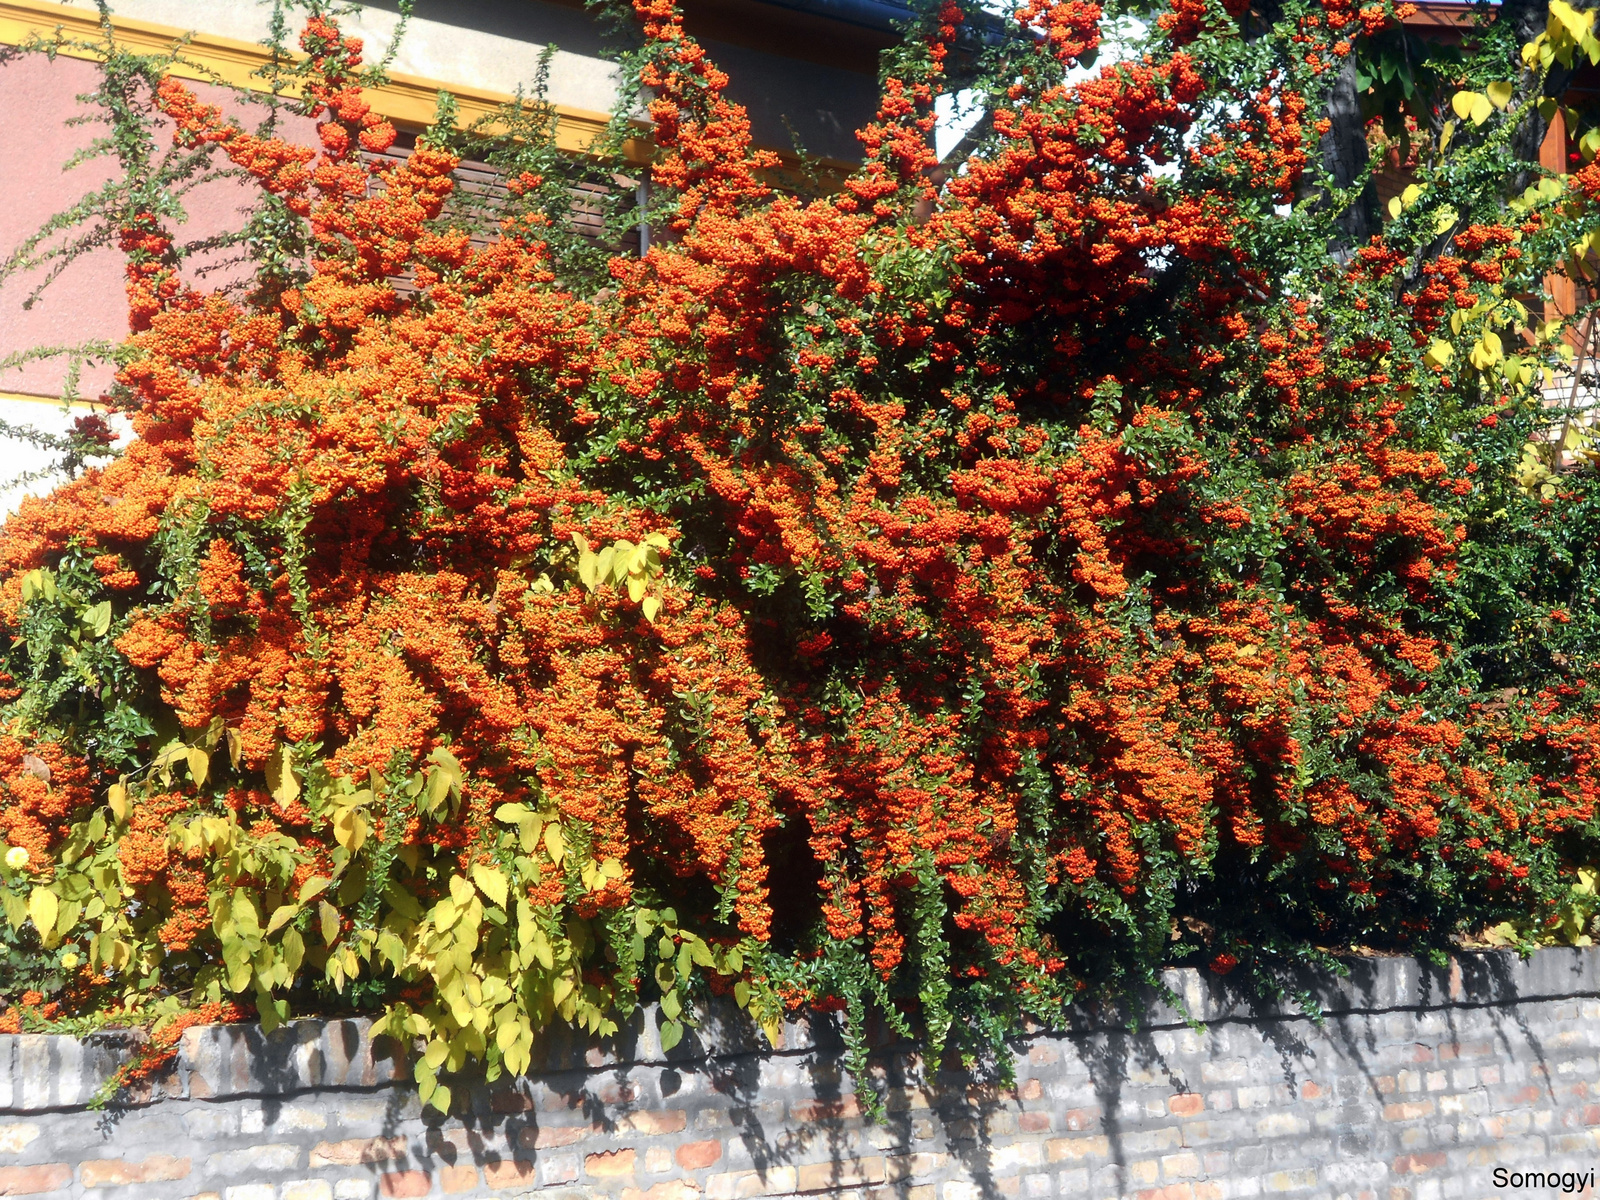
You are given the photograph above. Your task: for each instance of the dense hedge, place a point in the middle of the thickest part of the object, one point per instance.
(941, 600)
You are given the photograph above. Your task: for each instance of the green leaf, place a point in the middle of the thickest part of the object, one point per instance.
(96, 621)
(671, 1034)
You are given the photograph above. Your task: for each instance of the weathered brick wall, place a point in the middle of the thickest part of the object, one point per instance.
(1415, 1086)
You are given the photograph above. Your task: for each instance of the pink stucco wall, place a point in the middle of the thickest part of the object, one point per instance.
(86, 302)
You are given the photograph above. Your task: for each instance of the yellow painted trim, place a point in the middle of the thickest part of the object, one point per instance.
(52, 400)
(407, 99)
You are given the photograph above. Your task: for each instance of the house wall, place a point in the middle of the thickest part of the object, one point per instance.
(489, 48)
(1414, 1084)
(87, 302)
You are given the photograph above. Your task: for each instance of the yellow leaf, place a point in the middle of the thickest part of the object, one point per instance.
(460, 891)
(492, 882)
(42, 907)
(1462, 103)
(1499, 94)
(350, 829)
(1440, 353)
(554, 843)
(445, 914)
(1394, 207)
(1482, 110)
(1445, 218)
(1445, 134)
(438, 788)
(313, 887)
(281, 781)
(281, 916)
(244, 912)
(330, 921)
(1409, 196)
(1564, 17)
(117, 798)
(652, 608)
(199, 765)
(636, 585)
(235, 746)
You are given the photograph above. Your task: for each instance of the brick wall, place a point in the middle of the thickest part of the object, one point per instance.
(1417, 1085)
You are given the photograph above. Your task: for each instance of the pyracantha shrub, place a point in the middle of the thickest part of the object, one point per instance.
(938, 598)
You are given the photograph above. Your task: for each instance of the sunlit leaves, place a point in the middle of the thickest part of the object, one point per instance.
(636, 567)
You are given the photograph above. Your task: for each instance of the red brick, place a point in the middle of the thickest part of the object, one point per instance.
(117, 1172)
(618, 1093)
(1033, 1122)
(1173, 1191)
(1312, 1091)
(696, 1155)
(28, 1181)
(1030, 1089)
(844, 1108)
(612, 1162)
(462, 1178)
(356, 1151)
(1408, 1111)
(1421, 1053)
(509, 1102)
(1079, 1119)
(671, 1120)
(1417, 1164)
(508, 1172)
(1186, 1104)
(405, 1184)
(671, 1189)
(1591, 1114)
(548, 1137)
